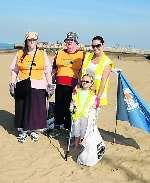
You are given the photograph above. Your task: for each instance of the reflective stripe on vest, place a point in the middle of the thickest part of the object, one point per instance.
(98, 73)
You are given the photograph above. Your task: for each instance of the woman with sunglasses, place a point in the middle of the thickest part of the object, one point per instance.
(30, 109)
(97, 64)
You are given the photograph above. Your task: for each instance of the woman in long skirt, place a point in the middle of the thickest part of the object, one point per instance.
(30, 109)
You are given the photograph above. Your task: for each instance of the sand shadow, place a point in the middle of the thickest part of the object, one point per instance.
(62, 136)
(7, 121)
(119, 139)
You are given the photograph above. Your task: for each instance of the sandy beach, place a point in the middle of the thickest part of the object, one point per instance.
(126, 161)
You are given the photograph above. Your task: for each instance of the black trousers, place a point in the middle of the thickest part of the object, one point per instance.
(63, 96)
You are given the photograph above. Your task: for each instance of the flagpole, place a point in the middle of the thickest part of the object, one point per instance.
(114, 139)
(116, 71)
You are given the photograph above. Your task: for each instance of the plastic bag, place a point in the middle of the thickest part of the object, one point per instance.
(93, 146)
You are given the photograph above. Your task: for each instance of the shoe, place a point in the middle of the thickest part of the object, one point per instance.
(34, 136)
(62, 127)
(50, 123)
(22, 137)
(57, 127)
(68, 128)
(54, 133)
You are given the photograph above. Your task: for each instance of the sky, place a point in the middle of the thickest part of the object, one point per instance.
(124, 23)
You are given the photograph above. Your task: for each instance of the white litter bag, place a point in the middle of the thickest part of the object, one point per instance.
(93, 144)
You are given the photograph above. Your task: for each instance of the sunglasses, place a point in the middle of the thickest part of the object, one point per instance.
(69, 40)
(84, 81)
(32, 39)
(96, 45)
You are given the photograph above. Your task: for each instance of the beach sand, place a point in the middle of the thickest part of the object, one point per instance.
(128, 160)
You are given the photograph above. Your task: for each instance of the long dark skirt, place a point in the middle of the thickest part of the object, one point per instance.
(30, 111)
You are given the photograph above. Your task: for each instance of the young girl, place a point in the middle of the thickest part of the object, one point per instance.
(82, 101)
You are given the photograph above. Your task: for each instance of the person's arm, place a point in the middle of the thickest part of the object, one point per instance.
(54, 68)
(14, 70)
(73, 107)
(80, 71)
(47, 69)
(104, 78)
(54, 71)
(14, 73)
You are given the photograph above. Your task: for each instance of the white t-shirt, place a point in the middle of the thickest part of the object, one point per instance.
(91, 69)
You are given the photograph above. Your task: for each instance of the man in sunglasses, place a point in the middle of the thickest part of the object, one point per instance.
(97, 64)
(67, 65)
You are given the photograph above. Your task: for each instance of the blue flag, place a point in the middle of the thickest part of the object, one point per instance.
(130, 106)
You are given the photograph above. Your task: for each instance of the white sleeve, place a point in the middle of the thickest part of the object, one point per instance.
(14, 66)
(47, 64)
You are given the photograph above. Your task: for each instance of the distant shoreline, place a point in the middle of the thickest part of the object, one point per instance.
(8, 50)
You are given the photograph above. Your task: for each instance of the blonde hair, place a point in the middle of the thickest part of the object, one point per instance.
(92, 87)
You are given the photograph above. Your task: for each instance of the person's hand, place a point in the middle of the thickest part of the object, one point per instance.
(75, 90)
(73, 108)
(12, 89)
(97, 102)
(50, 89)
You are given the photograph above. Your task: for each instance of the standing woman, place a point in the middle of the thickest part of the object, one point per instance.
(97, 64)
(30, 110)
(67, 66)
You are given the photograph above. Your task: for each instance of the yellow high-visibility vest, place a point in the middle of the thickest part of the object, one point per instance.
(98, 73)
(82, 110)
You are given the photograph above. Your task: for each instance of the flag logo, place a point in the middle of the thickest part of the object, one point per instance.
(129, 100)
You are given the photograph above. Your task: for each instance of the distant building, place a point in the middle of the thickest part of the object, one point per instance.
(59, 45)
